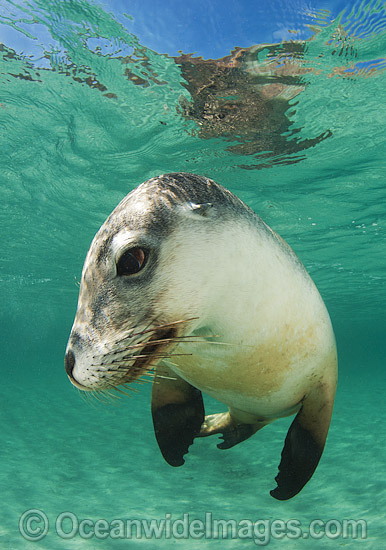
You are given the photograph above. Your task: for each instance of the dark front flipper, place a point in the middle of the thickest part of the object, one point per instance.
(304, 442)
(178, 412)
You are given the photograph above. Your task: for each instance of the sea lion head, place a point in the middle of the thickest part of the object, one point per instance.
(147, 278)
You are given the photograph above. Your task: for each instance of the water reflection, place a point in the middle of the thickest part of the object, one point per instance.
(248, 99)
(245, 99)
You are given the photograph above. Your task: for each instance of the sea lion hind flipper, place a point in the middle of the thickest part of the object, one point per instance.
(232, 432)
(178, 412)
(304, 443)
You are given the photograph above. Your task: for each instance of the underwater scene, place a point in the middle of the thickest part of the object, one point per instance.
(283, 104)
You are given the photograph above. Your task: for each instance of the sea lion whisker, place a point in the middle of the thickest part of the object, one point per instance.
(105, 396)
(166, 325)
(233, 344)
(125, 361)
(112, 394)
(86, 397)
(129, 358)
(113, 363)
(122, 391)
(122, 388)
(177, 339)
(149, 373)
(134, 339)
(187, 339)
(184, 342)
(94, 397)
(114, 368)
(141, 381)
(131, 334)
(102, 395)
(137, 342)
(159, 355)
(150, 376)
(149, 343)
(127, 386)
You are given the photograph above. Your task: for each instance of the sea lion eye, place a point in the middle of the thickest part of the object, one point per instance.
(131, 261)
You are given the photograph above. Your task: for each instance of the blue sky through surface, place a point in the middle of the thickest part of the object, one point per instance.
(209, 29)
(212, 29)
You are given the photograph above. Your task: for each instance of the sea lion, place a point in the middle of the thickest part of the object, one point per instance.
(185, 281)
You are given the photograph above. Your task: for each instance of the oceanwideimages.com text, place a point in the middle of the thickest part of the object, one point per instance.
(34, 525)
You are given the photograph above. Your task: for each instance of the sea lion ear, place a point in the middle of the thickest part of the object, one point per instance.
(203, 209)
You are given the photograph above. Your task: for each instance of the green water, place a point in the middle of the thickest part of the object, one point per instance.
(85, 118)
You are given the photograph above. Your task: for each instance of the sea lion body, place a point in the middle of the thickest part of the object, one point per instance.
(185, 279)
(261, 303)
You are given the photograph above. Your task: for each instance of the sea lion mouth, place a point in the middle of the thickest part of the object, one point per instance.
(131, 359)
(78, 385)
(152, 352)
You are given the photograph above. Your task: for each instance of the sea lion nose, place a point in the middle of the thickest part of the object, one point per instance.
(69, 363)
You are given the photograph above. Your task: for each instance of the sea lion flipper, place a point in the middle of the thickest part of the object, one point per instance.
(232, 432)
(178, 412)
(304, 442)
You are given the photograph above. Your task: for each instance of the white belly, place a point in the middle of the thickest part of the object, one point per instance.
(267, 380)
(271, 331)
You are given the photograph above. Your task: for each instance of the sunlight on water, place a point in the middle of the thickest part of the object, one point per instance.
(295, 127)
